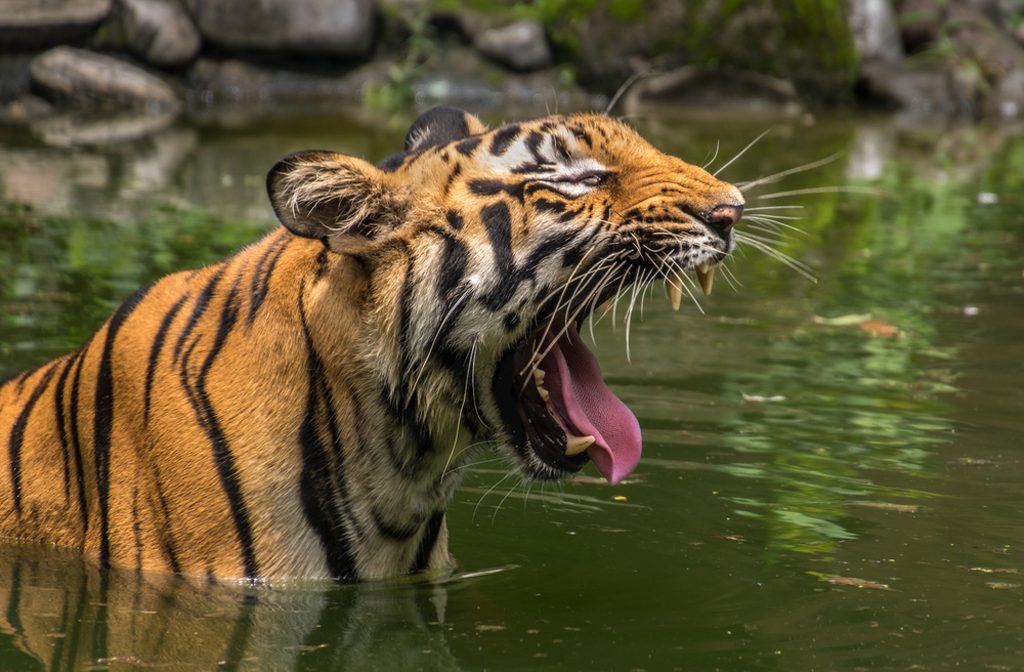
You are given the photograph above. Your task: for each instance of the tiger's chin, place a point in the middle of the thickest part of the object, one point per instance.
(558, 412)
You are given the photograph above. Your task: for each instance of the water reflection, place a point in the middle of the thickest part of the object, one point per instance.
(60, 613)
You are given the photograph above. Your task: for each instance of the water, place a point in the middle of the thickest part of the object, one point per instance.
(832, 470)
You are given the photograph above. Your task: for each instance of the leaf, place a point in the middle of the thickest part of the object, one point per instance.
(850, 320)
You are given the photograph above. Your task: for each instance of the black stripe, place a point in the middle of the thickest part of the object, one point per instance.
(103, 419)
(583, 135)
(239, 642)
(154, 353)
(321, 262)
(392, 531)
(533, 143)
(503, 137)
(260, 283)
(315, 487)
(18, 436)
(561, 147)
(498, 222)
(25, 375)
(547, 205)
(451, 269)
(223, 459)
(466, 147)
(62, 429)
(455, 220)
(574, 254)
(164, 531)
(202, 302)
(58, 646)
(490, 187)
(77, 622)
(76, 444)
(549, 246)
(428, 541)
(452, 176)
(14, 601)
(136, 528)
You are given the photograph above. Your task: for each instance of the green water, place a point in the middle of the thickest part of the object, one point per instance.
(816, 493)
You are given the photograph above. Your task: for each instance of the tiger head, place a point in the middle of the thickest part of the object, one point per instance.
(483, 250)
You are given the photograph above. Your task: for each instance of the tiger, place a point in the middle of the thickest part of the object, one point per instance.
(304, 408)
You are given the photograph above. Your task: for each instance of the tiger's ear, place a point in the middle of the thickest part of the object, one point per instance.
(327, 195)
(440, 126)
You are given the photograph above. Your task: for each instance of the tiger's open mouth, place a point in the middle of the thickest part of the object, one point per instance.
(554, 403)
(560, 410)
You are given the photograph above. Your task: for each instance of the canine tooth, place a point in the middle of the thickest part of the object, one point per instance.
(706, 276)
(675, 294)
(544, 394)
(539, 374)
(575, 445)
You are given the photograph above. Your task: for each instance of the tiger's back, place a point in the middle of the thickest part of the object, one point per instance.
(89, 460)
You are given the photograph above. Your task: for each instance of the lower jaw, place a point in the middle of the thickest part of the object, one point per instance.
(537, 439)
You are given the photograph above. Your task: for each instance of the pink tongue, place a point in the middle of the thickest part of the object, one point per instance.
(589, 407)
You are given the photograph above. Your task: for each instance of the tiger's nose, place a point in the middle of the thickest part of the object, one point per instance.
(723, 217)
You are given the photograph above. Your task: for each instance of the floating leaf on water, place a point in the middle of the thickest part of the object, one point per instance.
(973, 461)
(879, 329)
(304, 648)
(994, 570)
(999, 585)
(758, 399)
(486, 627)
(888, 506)
(856, 583)
(619, 498)
(850, 320)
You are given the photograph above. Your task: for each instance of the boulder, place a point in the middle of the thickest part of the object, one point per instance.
(920, 23)
(73, 129)
(38, 24)
(1007, 100)
(159, 32)
(318, 27)
(88, 80)
(521, 45)
(875, 31)
(918, 90)
(723, 87)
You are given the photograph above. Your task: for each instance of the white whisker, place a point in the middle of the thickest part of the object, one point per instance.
(741, 152)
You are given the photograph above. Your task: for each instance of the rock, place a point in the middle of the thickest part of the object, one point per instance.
(1007, 100)
(88, 80)
(976, 37)
(38, 24)
(920, 23)
(922, 90)
(812, 48)
(229, 82)
(24, 109)
(159, 32)
(74, 128)
(323, 27)
(875, 32)
(713, 88)
(521, 45)
(14, 79)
